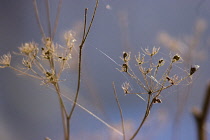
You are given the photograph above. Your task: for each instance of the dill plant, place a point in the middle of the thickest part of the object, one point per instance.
(155, 76)
(47, 61)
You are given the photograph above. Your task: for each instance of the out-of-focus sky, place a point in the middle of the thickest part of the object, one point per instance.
(29, 111)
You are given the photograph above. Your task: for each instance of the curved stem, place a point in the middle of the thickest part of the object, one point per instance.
(64, 114)
(149, 106)
(121, 114)
(85, 34)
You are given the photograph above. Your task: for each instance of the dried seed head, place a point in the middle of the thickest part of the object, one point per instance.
(126, 87)
(139, 59)
(5, 60)
(157, 100)
(144, 70)
(125, 68)
(70, 38)
(154, 51)
(176, 58)
(194, 69)
(26, 63)
(47, 42)
(126, 57)
(161, 62)
(29, 48)
(50, 77)
(64, 58)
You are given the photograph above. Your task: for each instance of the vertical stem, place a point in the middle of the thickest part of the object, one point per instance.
(85, 34)
(78, 84)
(38, 19)
(201, 117)
(149, 105)
(64, 114)
(119, 107)
(48, 17)
(57, 18)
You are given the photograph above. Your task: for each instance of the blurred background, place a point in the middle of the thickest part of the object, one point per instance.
(29, 111)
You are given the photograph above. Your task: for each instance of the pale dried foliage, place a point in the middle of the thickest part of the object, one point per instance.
(49, 60)
(156, 75)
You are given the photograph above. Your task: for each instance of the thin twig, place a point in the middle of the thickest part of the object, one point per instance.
(24, 73)
(80, 61)
(119, 107)
(201, 116)
(91, 22)
(85, 23)
(38, 19)
(57, 18)
(63, 112)
(48, 17)
(145, 116)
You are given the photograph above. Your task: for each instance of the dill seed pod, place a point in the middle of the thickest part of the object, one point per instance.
(125, 55)
(194, 69)
(125, 67)
(176, 58)
(157, 100)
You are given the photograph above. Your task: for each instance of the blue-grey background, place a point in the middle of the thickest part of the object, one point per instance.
(29, 111)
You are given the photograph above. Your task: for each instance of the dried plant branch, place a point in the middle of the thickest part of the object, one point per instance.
(48, 17)
(33, 61)
(80, 60)
(144, 119)
(201, 116)
(57, 18)
(153, 83)
(120, 110)
(91, 22)
(38, 19)
(64, 113)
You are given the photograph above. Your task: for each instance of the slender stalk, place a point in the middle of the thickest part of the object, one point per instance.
(38, 19)
(80, 61)
(201, 116)
(121, 114)
(63, 112)
(57, 18)
(78, 84)
(91, 22)
(145, 116)
(48, 17)
(24, 73)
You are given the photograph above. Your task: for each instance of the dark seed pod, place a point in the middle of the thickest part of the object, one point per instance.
(157, 100)
(125, 67)
(176, 58)
(125, 55)
(194, 69)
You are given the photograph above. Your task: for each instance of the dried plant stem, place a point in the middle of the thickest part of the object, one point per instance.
(64, 114)
(201, 116)
(149, 106)
(151, 102)
(91, 113)
(38, 19)
(119, 107)
(48, 17)
(57, 18)
(24, 73)
(66, 117)
(85, 34)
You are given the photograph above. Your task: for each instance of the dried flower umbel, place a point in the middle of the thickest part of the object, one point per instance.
(153, 82)
(5, 60)
(49, 60)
